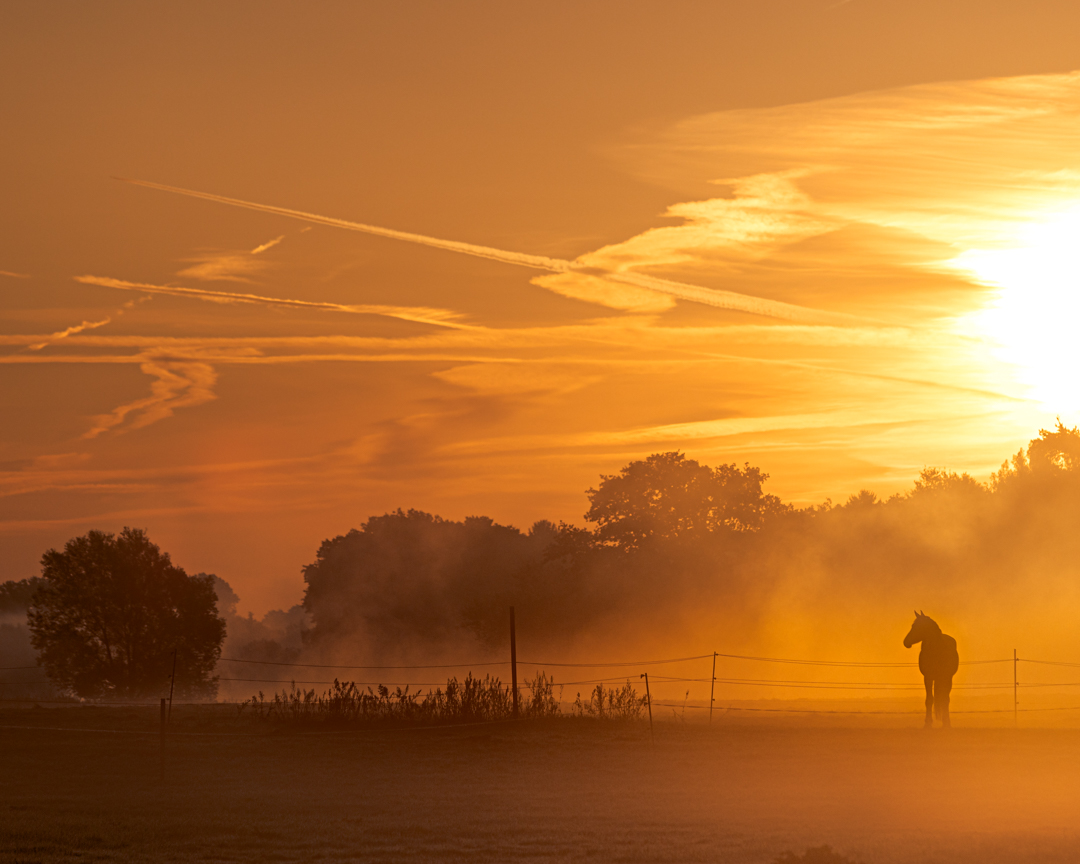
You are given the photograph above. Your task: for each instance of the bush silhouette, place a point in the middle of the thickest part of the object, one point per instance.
(814, 855)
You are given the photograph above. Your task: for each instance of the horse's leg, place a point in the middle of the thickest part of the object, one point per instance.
(942, 688)
(929, 682)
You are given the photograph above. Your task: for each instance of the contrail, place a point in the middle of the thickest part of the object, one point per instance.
(420, 314)
(539, 262)
(70, 331)
(269, 244)
(695, 293)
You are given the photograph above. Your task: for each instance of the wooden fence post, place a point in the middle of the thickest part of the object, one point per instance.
(513, 662)
(1016, 693)
(648, 700)
(712, 688)
(172, 685)
(162, 753)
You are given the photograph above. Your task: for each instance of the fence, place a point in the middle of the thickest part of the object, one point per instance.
(735, 688)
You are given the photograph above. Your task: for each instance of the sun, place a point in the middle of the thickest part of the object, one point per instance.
(1033, 320)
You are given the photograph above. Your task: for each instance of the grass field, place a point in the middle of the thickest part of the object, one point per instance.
(552, 790)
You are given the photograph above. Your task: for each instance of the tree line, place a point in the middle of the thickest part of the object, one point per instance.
(107, 613)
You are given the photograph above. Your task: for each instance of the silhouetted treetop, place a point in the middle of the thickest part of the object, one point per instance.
(814, 855)
(1053, 456)
(109, 611)
(668, 496)
(939, 482)
(1058, 450)
(863, 500)
(667, 528)
(407, 576)
(15, 596)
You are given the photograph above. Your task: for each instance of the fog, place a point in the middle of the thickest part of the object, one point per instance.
(677, 559)
(994, 563)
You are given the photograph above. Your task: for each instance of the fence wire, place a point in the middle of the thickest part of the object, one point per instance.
(657, 679)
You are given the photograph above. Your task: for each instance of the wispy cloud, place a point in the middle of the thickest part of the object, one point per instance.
(419, 314)
(223, 267)
(269, 244)
(83, 327)
(959, 161)
(14, 275)
(229, 266)
(178, 385)
(70, 331)
(721, 299)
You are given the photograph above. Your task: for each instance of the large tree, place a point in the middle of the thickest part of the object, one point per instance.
(110, 610)
(405, 579)
(668, 496)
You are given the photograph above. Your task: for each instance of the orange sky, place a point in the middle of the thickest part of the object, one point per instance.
(833, 239)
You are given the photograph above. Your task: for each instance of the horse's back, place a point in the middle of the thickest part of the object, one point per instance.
(950, 652)
(940, 661)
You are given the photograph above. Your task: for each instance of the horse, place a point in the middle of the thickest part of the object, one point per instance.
(938, 662)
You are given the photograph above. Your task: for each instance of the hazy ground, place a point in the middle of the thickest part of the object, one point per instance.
(565, 789)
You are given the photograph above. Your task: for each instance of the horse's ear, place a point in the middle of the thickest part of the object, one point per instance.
(922, 614)
(916, 613)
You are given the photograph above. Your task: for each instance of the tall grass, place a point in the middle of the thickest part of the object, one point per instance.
(610, 703)
(473, 700)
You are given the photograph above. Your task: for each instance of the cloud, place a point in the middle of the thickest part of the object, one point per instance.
(593, 289)
(720, 299)
(50, 461)
(13, 275)
(178, 385)
(229, 266)
(70, 331)
(765, 211)
(420, 314)
(223, 267)
(963, 162)
(520, 378)
(267, 245)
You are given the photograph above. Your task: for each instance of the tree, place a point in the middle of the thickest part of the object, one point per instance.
(1052, 456)
(110, 610)
(938, 482)
(15, 597)
(670, 496)
(1056, 451)
(410, 578)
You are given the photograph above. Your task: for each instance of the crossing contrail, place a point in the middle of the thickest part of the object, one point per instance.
(716, 298)
(420, 314)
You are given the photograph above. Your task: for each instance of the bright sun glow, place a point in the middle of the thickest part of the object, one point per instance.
(1035, 317)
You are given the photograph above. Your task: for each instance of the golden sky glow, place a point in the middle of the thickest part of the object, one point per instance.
(379, 259)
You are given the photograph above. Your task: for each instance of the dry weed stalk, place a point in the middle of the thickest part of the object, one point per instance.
(611, 703)
(473, 700)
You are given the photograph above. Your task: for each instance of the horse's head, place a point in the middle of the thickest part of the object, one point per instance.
(922, 627)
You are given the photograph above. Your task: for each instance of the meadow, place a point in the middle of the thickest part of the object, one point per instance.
(567, 788)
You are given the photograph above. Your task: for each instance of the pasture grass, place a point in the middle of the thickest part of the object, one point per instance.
(556, 789)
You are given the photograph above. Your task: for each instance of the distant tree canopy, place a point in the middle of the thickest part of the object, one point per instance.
(667, 533)
(109, 611)
(277, 637)
(668, 496)
(1052, 455)
(410, 576)
(15, 596)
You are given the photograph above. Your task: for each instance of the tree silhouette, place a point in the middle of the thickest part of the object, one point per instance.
(110, 610)
(938, 482)
(668, 496)
(814, 855)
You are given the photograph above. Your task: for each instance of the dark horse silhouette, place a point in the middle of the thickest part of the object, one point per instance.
(938, 662)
